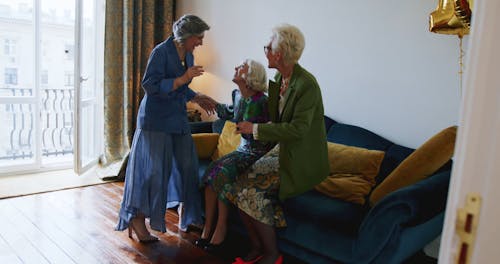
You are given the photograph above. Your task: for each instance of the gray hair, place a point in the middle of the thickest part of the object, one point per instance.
(187, 26)
(256, 78)
(289, 41)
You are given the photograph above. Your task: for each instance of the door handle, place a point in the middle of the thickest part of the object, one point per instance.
(466, 227)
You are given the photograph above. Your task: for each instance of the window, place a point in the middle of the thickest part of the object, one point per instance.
(11, 76)
(45, 50)
(68, 79)
(68, 50)
(9, 47)
(38, 73)
(5, 10)
(44, 78)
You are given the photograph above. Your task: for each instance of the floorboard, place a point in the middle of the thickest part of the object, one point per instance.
(77, 226)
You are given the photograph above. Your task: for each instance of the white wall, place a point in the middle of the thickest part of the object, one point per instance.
(378, 65)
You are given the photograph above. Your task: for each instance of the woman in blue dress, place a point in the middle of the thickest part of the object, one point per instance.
(249, 104)
(163, 135)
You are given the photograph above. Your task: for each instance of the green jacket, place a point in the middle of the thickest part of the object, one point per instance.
(300, 132)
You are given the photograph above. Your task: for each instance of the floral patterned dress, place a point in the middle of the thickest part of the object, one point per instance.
(222, 173)
(256, 191)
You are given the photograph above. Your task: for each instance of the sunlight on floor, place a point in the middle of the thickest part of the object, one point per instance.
(18, 185)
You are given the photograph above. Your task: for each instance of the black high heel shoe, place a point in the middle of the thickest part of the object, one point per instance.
(215, 249)
(201, 243)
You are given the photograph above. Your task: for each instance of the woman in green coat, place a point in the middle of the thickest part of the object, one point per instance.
(300, 159)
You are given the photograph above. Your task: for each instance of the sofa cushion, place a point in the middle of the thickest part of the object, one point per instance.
(205, 143)
(200, 127)
(329, 244)
(328, 123)
(423, 162)
(325, 211)
(228, 141)
(352, 172)
(217, 125)
(389, 222)
(357, 137)
(394, 155)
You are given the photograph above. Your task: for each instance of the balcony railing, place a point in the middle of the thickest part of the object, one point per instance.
(56, 124)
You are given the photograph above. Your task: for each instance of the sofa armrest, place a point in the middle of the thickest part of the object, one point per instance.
(206, 144)
(201, 127)
(409, 206)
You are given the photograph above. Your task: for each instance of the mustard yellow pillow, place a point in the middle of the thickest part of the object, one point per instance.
(422, 163)
(205, 144)
(352, 172)
(228, 140)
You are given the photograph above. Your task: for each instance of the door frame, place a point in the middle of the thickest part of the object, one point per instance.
(99, 8)
(477, 162)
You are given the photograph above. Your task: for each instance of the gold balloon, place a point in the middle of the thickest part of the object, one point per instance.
(451, 17)
(463, 10)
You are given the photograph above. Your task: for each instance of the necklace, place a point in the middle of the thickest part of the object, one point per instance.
(284, 85)
(181, 52)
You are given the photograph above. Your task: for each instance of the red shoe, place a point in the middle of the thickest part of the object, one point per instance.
(279, 260)
(239, 260)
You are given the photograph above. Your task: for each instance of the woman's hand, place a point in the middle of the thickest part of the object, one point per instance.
(206, 102)
(190, 73)
(244, 127)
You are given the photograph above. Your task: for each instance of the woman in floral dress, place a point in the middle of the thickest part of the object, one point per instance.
(249, 104)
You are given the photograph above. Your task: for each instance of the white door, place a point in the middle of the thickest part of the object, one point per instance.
(19, 89)
(36, 91)
(477, 162)
(45, 46)
(89, 36)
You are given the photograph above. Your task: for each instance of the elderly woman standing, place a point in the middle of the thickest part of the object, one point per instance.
(163, 134)
(298, 162)
(249, 104)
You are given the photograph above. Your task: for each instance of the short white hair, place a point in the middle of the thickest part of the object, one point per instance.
(256, 78)
(187, 26)
(288, 40)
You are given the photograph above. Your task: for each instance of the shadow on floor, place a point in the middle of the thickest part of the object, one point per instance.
(420, 258)
(237, 245)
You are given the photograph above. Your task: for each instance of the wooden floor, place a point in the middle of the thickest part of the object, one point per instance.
(77, 226)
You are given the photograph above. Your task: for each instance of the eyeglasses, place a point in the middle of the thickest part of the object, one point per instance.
(267, 49)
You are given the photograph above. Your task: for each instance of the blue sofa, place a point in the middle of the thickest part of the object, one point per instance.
(322, 229)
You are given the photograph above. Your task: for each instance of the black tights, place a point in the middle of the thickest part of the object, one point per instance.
(262, 240)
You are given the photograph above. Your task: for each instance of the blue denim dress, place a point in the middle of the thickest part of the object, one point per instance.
(162, 146)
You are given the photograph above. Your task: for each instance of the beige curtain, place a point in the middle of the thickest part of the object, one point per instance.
(133, 28)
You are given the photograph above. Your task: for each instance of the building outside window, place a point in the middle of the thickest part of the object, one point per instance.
(44, 78)
(68, 79)
(9, 47)
(11, 76)
(69, 51)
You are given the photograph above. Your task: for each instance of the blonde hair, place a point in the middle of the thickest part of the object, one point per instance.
(256, 78)
(290, 41)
